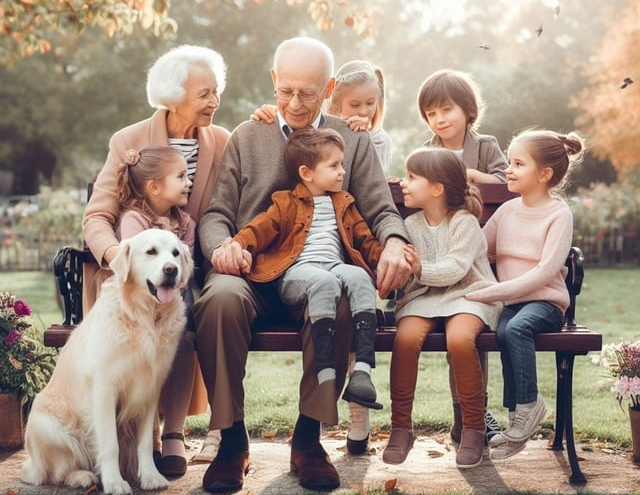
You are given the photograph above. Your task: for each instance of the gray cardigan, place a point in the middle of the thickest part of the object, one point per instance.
(252, 169)
(480, 152)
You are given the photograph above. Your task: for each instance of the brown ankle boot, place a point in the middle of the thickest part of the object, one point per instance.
(471, 449)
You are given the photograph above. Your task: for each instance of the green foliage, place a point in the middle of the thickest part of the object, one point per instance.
(606, 218)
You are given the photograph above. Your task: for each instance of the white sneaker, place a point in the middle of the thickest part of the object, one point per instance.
(498, 438)
(507, 450)
(527, 419)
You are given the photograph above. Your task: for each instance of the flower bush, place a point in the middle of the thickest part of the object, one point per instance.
(25, 363)
(623, 362)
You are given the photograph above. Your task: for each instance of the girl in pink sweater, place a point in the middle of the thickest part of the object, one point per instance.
(528, 240)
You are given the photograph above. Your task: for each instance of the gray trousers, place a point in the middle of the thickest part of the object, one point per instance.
(321, 285)
(224, 314)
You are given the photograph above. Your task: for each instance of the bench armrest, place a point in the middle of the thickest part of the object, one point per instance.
(67, 268)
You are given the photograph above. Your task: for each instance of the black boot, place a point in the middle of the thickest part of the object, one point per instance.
(323, 333)
(360, 388)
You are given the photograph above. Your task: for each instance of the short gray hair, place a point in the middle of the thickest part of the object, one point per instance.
(305, 42)
(166, 77)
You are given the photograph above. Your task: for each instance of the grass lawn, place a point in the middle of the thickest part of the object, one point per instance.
(607, 305)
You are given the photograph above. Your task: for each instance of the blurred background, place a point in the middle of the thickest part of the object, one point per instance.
(70, 78)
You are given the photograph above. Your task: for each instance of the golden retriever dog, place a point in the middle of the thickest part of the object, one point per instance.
(94, 419)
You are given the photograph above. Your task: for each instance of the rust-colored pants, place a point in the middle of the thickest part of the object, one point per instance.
(461, 331)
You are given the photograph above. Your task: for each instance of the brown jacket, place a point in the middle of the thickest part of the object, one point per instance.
(276, 237)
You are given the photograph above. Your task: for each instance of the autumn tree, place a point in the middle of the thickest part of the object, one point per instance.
(32, 26)
(611, 100)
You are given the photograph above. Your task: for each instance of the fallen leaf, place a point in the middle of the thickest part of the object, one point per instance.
(440, 439)
(390, 485)
(269, 433)
(91, 489)
(383, 434)
(434, 453)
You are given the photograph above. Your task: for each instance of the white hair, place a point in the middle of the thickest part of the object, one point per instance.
(166, 77)
(305, 42)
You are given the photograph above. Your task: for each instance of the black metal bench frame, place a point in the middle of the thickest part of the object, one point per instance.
(574, 340)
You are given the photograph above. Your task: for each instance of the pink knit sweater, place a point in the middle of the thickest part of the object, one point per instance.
(529, 247)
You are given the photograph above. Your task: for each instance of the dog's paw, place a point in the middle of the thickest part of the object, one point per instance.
(81, 479)
(153, 481)
(116, 487)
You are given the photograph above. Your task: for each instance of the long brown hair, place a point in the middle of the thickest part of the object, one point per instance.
(443, 166)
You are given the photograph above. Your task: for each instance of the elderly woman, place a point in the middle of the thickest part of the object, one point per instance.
(184, 85)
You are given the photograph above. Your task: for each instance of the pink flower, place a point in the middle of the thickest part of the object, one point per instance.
(587, 202)
(12, 337)
(22, 308)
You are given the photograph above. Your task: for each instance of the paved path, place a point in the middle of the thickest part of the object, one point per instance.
(430, 468)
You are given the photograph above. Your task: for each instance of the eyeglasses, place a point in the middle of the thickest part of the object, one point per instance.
(286, 94)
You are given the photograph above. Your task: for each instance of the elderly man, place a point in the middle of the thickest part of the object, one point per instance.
(252, 169)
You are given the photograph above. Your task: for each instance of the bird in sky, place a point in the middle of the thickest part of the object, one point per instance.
(625, 82)
(539, 31)
(484, 47)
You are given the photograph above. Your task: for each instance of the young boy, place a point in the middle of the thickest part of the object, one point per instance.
(315, 244)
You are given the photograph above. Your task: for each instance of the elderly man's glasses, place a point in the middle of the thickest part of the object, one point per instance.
(286, 94)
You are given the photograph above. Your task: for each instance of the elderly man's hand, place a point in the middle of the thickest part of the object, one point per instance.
(231, 259)
(393, 268)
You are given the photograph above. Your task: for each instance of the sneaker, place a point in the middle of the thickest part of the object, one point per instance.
(526, 420)
(498, 438)
(492, 427)
(506, 450)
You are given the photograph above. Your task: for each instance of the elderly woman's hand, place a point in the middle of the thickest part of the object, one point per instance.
(231, 259)
(393, 268)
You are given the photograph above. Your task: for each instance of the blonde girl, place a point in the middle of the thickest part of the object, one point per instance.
(153, 187)
(448, 256)
(359, 98)
(529, 238)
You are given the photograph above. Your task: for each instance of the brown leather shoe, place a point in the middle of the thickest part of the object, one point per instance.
(314, 469)
(226, 475)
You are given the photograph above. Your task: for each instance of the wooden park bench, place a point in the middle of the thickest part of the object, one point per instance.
(573, 340)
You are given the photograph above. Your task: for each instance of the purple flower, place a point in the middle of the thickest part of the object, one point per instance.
(12, 337)
(22, 308)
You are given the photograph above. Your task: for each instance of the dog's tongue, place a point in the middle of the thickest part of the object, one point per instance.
(165, 294)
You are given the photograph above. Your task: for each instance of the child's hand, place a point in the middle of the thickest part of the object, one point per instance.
(267, 113)
(413, 258)
(357, 123)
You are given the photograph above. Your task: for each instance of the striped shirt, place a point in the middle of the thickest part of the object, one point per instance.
(323, 243)
(189, 149)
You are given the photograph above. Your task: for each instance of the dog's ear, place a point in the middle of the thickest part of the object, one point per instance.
(121, 264)
(186, 262)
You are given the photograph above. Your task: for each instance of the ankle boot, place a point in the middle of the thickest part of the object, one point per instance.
(364, 335)
(323, 332)
(456, 427)
(471, 448)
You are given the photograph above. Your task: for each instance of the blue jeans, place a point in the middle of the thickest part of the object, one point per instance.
(517, 328)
